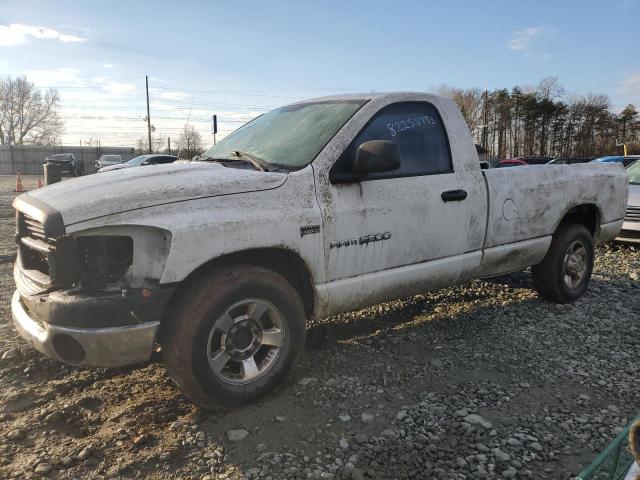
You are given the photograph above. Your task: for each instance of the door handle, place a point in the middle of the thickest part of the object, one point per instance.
(454, 195)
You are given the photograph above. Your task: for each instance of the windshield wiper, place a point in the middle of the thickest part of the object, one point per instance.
(255, 161)
(242, 156)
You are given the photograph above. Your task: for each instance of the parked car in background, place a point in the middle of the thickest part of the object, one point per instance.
(67, 163)
(140, 161)
(533, 160)
(106, 160)
(510, 162)
(624, 160)
(630, 232)
(570, 160)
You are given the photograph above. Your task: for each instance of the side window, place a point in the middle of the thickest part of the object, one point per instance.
(417, 129)
(166, 160)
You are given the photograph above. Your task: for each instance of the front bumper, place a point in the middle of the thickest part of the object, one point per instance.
(90, 347)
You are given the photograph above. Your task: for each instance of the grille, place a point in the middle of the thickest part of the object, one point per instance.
(633, 214)
(35, 229)
(635, 234)
(35, 246)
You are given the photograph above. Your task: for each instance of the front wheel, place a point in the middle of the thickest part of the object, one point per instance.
(234, 335)
(565, 272)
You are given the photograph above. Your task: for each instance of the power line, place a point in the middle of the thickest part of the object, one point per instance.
(111, 80)
(249, 94)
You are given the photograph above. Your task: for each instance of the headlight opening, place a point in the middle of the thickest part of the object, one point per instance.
(104, 259)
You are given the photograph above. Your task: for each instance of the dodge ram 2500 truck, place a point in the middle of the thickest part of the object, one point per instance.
(315, 208)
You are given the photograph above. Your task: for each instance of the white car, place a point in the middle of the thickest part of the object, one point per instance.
(630, 232)
(312, 209)
(108, 160)
(141, 161)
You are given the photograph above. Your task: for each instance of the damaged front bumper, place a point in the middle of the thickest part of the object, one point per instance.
(90, 347)
(101, 329)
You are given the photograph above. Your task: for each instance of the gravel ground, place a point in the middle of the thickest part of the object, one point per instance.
(483, 380)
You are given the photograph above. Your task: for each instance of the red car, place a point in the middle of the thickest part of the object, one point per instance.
(511, 162)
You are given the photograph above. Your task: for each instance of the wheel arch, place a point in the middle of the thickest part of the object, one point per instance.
(587, 214)
(282, 260)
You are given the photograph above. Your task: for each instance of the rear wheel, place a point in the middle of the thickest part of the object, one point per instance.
(565, 272)
(234, 335)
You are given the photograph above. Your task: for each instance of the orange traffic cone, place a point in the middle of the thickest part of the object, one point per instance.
(18, 183)
(39, 184)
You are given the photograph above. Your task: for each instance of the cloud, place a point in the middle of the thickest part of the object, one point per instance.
(174, 95)
(631, 86)
(17, 34)
(521, 39)
(57, 76)
(107, 65)
(116, 88)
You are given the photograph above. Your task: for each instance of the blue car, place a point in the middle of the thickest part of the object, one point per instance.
(626, 161)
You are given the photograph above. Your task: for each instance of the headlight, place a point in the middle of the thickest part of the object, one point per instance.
(120, 256)
(103, 259)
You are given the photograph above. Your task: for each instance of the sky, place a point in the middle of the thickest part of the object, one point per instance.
(239, 59)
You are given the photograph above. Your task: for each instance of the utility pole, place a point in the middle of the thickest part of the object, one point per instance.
(486, 120)
(148, 113)
(169, 144)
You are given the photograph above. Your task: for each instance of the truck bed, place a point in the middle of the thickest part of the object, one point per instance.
(526, 204)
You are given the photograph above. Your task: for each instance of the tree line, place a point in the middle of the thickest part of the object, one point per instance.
(524, 121)
(545, 121)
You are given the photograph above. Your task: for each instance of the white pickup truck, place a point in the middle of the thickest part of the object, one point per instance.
(315, 208)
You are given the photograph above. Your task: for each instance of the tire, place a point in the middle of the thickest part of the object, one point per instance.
(216, 325)
(565, 272)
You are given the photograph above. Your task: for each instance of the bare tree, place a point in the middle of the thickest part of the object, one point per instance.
(142, 144)
(549, 88)
(26, 114)
(189, 142)
(469, 101)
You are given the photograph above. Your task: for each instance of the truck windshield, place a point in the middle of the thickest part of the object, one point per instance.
(288, 137)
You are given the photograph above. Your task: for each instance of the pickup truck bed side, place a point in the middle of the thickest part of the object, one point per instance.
(526, 204)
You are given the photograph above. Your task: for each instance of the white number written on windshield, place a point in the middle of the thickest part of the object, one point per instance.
(409, 123)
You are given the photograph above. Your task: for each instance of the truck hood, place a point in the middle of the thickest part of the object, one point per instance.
(127, 189)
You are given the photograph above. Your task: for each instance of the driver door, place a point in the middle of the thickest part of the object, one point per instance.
(402, 225)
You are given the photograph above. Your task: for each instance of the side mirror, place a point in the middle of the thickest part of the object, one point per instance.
(376, 156)
(146, 162)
